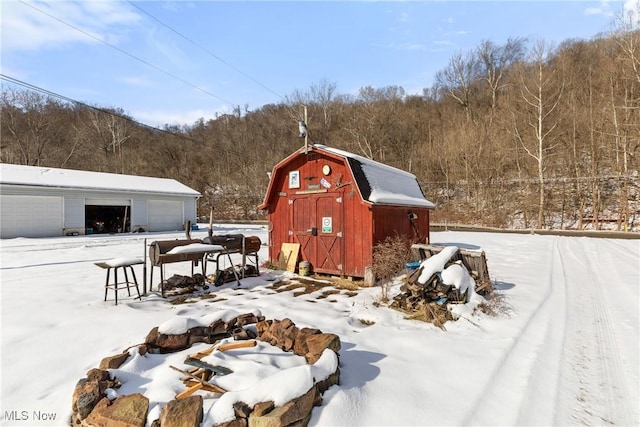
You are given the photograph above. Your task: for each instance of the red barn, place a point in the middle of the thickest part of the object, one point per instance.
(338, 205)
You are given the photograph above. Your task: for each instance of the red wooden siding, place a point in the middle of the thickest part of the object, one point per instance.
(394, 220)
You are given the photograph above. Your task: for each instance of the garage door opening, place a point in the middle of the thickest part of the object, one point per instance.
(107, 219)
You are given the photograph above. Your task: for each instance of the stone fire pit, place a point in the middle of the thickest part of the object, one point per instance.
(102, 398)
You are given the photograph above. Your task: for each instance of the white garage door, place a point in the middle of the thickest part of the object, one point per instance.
(165, 215)
(30, 216)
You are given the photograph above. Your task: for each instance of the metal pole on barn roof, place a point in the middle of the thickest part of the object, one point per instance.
(306, 134)
(302, 127)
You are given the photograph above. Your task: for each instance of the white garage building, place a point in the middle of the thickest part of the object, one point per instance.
(41, 202)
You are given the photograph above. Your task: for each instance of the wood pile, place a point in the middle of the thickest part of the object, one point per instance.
(199, 375)
(433, 294)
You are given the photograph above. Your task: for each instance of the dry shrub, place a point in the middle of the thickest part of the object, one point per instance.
(389, 259)
(494, 305)
(279, 264)
(184, 299)
(433, 313)
(348, 284)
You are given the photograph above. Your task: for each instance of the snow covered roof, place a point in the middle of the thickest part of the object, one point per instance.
(69, 178)
(380, 183)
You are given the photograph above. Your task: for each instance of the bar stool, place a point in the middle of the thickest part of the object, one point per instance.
(115, 264)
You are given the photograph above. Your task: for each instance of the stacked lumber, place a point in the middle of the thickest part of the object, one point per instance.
(198, 376)
(426, 290)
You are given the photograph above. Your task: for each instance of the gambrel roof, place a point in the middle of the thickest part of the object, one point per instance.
(382, 184)
(376, 182)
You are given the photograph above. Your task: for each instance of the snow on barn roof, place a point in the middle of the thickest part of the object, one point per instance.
(69, 178)
(380, 183)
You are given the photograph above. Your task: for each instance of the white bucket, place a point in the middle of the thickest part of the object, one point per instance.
(303, 268)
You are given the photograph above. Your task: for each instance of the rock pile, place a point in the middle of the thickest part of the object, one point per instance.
(92, 406)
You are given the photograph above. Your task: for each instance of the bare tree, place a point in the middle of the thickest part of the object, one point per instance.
(112, 132)
(27, 127)
(626, 108)
(323, 95)
(495, 62)
(541, 95)
(459, 77)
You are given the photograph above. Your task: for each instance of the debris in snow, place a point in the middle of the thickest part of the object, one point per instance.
(443, 277)
(264, 385)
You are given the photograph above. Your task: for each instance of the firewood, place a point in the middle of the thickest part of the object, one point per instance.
(203, 353)
(235, 345)
(188, 392)
(195, 371)
(213, 388)
(205, 385)
(413, 278)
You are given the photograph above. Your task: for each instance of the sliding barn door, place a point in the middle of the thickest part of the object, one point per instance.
(317, 226)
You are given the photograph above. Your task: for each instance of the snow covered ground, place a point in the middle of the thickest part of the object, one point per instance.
(562, 350)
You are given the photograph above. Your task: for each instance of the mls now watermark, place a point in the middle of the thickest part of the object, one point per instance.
(29, 416)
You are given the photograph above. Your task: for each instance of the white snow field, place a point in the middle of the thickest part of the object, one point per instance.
(561, 350)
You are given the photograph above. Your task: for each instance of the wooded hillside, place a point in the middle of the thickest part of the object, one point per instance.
(515, 135)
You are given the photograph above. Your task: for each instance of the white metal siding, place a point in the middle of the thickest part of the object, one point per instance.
(103, 201)
(165, 215)
(30, 216)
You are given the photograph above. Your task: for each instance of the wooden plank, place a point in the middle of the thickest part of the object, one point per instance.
(205, 385)
(238, 344)
(203, 353)
(290, 253)
(188, 392)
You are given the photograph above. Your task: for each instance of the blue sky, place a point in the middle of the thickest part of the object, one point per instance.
(251, 53)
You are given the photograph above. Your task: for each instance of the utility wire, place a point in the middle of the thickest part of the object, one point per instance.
(92, 107)
(105, 111)
(292, 112)
(130, 55)
(236, 69)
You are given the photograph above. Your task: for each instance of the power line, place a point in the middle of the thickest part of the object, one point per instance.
(292, 112)
(102, 110)
(206, 50)
(92, 107)
(130, 55)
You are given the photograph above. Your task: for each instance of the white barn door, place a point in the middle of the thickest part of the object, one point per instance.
(165, 215)
(31, 216)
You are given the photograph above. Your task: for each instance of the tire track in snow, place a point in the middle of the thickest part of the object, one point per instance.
(595, 390)
(523, 386)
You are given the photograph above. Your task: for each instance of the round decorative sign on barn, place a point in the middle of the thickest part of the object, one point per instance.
(326, 169)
